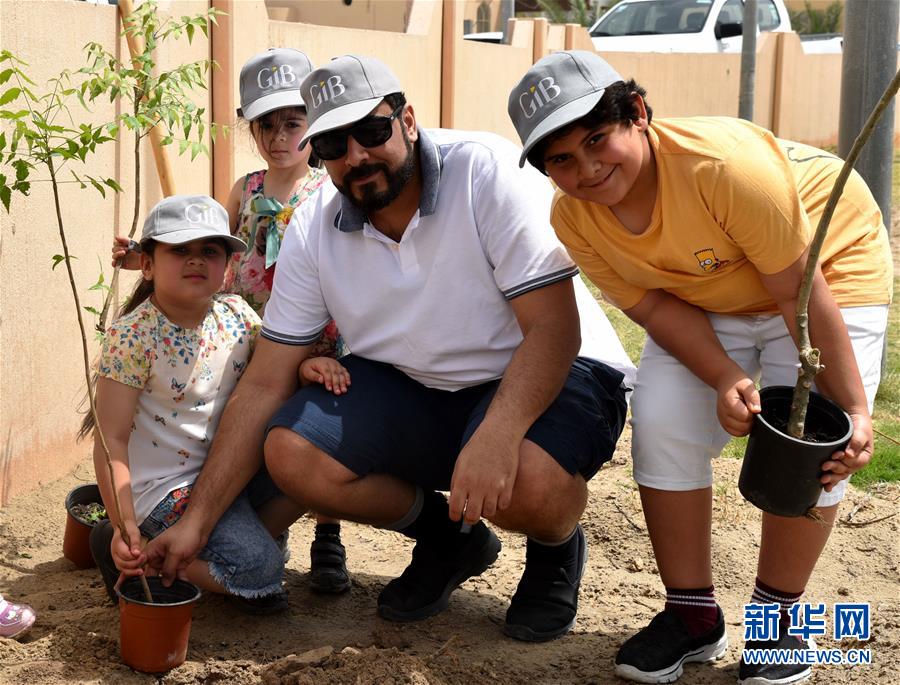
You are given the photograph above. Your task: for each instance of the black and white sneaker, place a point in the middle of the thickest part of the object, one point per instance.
(774, 673)
(658, 653)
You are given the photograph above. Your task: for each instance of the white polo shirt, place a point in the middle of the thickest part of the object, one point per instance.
(435, 304)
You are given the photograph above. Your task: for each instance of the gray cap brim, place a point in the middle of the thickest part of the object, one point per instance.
(342, 116)
(269, 103)
(563, 116)
(189, 234)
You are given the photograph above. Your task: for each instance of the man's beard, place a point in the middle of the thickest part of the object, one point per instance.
(373, 200)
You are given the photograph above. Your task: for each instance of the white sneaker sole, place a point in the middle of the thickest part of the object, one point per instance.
(670, 674)
(796, 678)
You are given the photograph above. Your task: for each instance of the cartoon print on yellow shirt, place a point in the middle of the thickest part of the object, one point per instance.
(708, 260)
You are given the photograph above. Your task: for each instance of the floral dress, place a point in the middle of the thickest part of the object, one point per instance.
(261, 225)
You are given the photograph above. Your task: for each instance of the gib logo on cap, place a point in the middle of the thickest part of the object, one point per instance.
(326, 90)
(538, 95)
(200, 213)
(276, 77)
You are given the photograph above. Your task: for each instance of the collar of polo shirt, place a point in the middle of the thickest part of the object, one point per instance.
(351, 218)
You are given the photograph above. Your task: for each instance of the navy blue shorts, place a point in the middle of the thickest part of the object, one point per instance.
(388, 423)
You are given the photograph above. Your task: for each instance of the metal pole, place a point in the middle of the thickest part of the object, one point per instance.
(748, 61)
(507, 12)
(869, 63)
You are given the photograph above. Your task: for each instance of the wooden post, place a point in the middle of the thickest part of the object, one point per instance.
(451, 31)
(160, 155)
(222, 97)
(540, 38)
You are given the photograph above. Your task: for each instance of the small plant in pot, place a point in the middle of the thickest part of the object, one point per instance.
(45, 136)
(84, 510)
(798, 429)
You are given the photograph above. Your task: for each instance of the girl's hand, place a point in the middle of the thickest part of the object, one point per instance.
(129, 560)
(327, 371)
(124, 255)
(737, 402)
(854, 457)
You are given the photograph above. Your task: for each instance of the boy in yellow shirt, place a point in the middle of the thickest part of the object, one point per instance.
(697, 228)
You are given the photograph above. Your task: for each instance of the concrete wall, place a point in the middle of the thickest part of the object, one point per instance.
(415, 56)
(392, 15)
(41, 376)
(451, 82)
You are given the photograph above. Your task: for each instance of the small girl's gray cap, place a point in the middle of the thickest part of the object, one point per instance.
(180, 219)
(271, 80)
(557, 90)
(345, 90)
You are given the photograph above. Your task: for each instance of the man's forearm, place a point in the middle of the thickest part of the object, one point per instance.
(235, 454)
(534, 377)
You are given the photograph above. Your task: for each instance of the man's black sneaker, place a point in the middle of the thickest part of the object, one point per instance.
(328, 565)
(99, 542)
(437, 568)
(658, 652)
(546, 600)
(774, 673)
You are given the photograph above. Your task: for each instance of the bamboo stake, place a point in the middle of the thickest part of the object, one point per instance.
(809, 355)
(160, 155)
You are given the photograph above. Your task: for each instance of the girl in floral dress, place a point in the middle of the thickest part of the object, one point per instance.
(167, 367)
(259, 207)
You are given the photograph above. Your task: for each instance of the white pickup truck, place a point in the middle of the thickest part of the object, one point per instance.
(687, 26)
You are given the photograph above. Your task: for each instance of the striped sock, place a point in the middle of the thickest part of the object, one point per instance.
(697, 608)
(765, 594)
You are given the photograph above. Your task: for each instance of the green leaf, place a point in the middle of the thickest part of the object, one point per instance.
(92, 310)
(22, 168)
(10, 95)
(114, 185)
(57, 258)
(100, 188)
(5, 75)
(5, 196)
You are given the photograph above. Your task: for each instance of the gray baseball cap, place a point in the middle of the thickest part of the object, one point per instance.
(271, 80)
(557, 90)
(180, 219)
(343, 91)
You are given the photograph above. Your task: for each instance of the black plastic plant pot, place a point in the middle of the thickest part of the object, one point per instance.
(780, 473)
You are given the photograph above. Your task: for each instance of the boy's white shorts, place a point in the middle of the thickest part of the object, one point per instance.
(675, 430)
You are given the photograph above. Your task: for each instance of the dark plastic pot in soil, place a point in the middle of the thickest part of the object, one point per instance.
(75, 539)
(153, 638)
(780, 473)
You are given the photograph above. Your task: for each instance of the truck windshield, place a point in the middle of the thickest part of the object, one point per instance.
(654, 16)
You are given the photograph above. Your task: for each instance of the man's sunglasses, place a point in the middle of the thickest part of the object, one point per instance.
(369, 132)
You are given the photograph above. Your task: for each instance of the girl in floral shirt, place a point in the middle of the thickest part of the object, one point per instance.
(259, 207)
(167, 367)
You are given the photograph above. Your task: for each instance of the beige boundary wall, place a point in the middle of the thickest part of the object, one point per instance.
(41, 376)
(451, 82)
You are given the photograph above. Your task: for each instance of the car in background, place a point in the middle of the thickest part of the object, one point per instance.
(682, 25)
(485, 37)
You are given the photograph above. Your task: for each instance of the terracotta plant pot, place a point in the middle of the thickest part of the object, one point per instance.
(75, 540)
(153, 638)
(780, 474)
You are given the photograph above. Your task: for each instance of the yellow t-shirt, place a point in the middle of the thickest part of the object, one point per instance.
(732, 202)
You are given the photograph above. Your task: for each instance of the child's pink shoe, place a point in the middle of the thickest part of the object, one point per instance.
(15, 619)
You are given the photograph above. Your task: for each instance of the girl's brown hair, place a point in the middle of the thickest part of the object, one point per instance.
(276, 119)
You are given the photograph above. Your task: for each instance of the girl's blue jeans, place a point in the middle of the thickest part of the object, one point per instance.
(241, 553)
